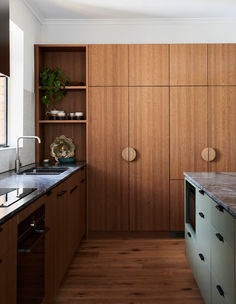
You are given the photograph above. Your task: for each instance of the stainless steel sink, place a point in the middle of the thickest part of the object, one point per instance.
(44, 171)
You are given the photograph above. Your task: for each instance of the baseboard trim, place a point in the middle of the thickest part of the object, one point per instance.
(128, 234)
(177, 234)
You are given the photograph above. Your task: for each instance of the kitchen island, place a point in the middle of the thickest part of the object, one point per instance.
(210, 233)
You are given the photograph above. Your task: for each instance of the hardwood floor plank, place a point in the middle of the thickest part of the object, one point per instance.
(129, 271)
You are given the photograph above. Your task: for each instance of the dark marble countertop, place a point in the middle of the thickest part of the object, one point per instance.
(221, 187)
(43, 183)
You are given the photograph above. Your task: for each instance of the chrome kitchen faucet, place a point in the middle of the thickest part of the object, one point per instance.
(17, 161)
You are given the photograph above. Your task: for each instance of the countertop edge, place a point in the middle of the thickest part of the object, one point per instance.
(216, 199)
(41, 193)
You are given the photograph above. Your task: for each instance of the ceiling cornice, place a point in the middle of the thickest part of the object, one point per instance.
(133, 21)
(36, 14)
(123, 21)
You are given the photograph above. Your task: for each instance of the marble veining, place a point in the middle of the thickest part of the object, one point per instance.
(220, 186)
(43, 183)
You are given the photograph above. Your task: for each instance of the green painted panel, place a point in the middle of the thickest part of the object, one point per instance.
(223, 223)
(216, 297)
(222, 261)
(203, 278)
(203, 223)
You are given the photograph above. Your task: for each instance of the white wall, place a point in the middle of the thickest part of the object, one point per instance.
(172, 31)
(24, 19)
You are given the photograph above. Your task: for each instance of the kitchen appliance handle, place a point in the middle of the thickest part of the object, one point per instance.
(41, 233)
(189, 234)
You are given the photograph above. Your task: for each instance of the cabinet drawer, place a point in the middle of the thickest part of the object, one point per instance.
(222, 261)
(223, 223)
(203, 276)
(218, 292)
(204, 204)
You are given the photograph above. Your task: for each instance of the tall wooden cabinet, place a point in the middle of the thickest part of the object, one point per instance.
(149, 173)
(168, 102)
(222, 127)
(124, 195)
(108, 174)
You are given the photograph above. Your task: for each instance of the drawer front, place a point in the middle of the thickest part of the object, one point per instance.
(203, 224)
(222, 261)
(218, 292)
(204, 205)
(203, 276)
(223, 223)
(190, 250)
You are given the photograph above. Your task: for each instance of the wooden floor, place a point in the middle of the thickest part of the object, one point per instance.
(129, 271)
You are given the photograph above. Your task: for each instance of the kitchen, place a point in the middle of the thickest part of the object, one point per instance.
(117, 152)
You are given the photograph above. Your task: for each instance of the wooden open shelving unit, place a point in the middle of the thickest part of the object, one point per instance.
(73, 60)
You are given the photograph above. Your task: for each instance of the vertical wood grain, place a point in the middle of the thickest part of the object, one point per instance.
(222, 64)
(108, 173)
(149, 173)
(188, 130)
(177, 205)
(148, 64)
(108, 65)
(222, 127)
(188, 64)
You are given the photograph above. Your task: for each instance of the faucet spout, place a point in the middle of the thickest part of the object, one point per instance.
(17, 161)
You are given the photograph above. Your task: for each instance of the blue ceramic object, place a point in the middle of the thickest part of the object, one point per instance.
(66, 160)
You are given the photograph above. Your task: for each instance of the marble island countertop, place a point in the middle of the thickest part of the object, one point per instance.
(43, 183)
(221, 187)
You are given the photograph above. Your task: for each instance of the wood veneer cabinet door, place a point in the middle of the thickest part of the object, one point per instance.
(107, 172)
(221, 64)
(148, 64)
(177, 205)
(149, 172)
(108, 65)
(8, 262)
(188, 130)
(222, 127)
(188, 64)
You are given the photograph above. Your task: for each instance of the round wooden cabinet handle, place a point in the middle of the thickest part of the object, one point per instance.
(129, 154)
(208, 154)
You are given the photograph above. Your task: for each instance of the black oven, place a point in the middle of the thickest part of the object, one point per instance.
(30, 259)
(191, 205)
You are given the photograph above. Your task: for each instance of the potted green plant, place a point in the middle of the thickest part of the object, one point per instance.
(53, 83)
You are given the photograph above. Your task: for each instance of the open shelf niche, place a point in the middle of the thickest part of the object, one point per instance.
(73, 61)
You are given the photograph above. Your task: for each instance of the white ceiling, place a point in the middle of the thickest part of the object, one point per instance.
(130, 9)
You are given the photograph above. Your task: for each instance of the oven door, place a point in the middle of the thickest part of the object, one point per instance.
(30, 269)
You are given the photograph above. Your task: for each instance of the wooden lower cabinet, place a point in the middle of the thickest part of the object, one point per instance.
(65, 218)
(8, 262)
